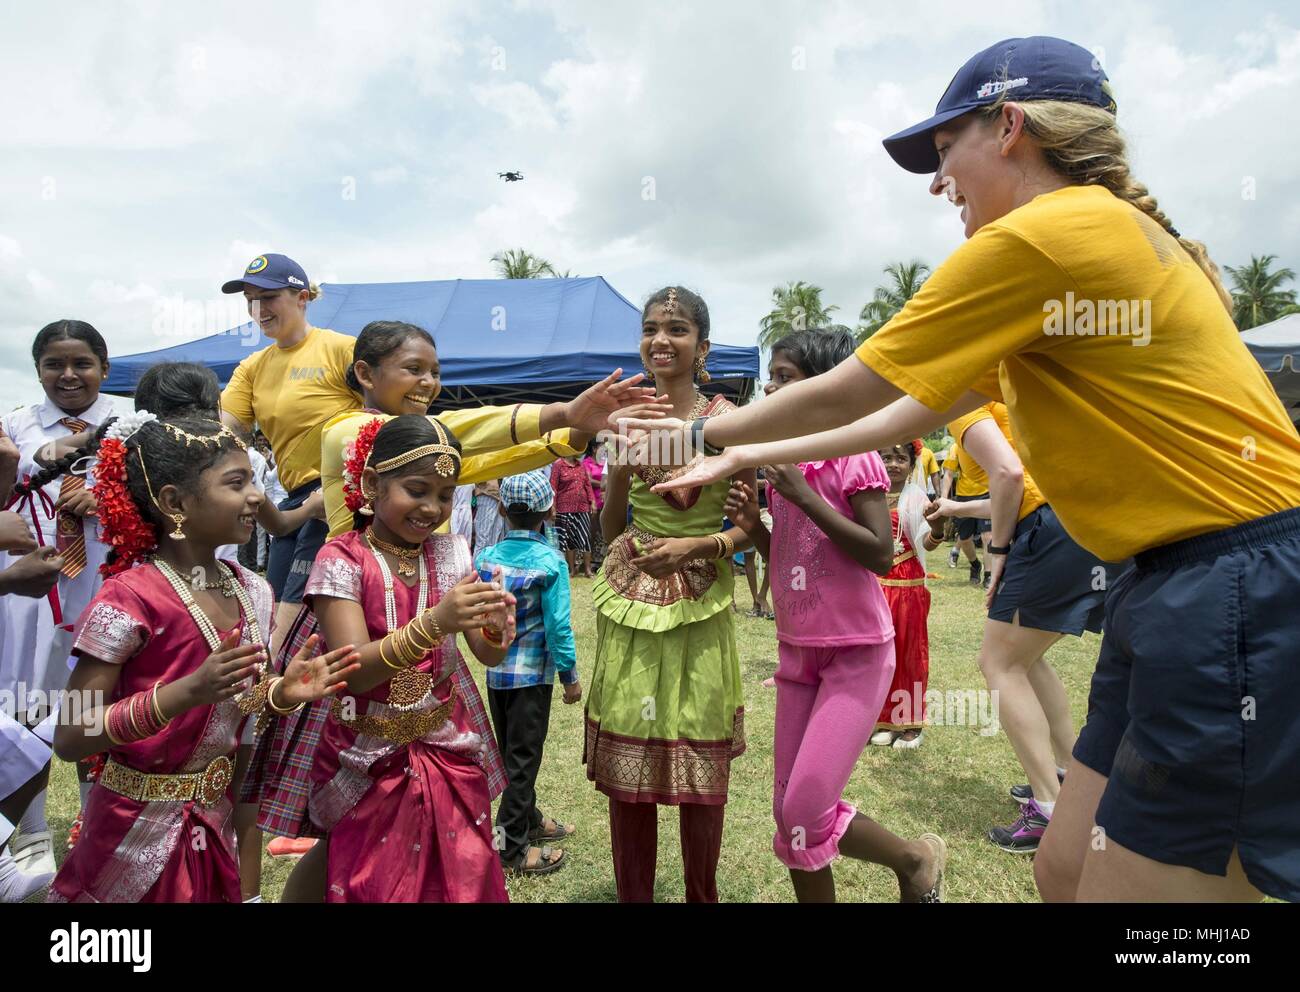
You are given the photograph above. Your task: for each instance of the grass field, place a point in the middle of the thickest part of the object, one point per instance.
(954, 784)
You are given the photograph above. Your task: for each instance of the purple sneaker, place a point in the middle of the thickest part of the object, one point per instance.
(1022, 837)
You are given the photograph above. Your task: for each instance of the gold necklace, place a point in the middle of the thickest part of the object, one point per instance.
(252, 699)
(408, 688)
(406, 557)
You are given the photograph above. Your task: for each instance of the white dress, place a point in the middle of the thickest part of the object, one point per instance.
(34, 654)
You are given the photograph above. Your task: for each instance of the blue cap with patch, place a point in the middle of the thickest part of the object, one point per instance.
(1037, 68)
(530, 490)
(270, 272)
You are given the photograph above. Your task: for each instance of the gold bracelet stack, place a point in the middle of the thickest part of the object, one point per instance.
(726, 547)
(411, 642)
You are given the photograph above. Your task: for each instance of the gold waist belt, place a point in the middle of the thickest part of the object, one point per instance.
(401, 728)
(207, 788)
(896, 583)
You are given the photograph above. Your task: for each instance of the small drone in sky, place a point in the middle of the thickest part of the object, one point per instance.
(510, 177)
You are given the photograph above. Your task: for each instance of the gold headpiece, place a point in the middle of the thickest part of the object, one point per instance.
(670, 304)
(183, 435)
(447, 465)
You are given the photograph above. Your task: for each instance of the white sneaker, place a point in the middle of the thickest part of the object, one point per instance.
(882, 738)
(34, 853)
(908, 745)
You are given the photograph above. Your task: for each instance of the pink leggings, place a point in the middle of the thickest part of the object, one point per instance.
(827, 701)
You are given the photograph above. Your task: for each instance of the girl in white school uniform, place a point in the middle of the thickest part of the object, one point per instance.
(71, 361)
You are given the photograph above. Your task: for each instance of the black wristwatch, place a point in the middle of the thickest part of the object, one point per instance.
(1004, 550)
(697, 438)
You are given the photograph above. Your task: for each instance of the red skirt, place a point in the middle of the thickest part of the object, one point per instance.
(909, 605)
(422, 833)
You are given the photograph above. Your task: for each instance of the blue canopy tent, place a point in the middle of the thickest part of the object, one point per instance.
(1276, 346)
(499, 340)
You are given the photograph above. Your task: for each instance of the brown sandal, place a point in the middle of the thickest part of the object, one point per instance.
(544, 865)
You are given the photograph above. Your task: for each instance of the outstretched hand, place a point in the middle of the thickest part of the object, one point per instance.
(590, 411)
(307, 678)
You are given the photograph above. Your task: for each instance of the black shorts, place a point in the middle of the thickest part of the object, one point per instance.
(968, 527)
(1052, 582)
(291, 557)
(1194, 711)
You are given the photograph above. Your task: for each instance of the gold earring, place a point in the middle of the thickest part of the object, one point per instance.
(701, 372)
(368, 509)
(177, 534)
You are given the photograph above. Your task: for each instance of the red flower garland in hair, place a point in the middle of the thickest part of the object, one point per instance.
(355, 456)
(916, 447)
(120, 523)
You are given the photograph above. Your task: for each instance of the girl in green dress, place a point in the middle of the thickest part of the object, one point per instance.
(665, 713)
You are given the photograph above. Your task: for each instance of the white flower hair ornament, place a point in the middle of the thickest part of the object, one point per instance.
(127, 424)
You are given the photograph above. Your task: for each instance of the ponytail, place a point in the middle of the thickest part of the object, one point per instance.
(1084, 144)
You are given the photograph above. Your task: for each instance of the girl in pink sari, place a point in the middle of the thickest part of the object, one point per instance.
(175, 642)
(403, 779)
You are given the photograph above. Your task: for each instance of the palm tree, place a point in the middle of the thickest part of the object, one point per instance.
(888, 300)
(1257, 296)
(517, 263)
(797, 306)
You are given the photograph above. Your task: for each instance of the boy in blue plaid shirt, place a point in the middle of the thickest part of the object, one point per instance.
(520, 688)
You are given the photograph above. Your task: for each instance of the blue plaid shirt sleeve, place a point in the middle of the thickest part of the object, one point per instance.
(557, 615)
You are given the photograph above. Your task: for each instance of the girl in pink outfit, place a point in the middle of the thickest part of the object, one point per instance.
(830, 532)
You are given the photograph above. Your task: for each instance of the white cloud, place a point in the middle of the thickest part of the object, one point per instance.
(184, 141)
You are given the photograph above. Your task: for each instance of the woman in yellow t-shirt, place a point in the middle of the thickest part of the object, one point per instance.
(1041, 586)
(1107, 332)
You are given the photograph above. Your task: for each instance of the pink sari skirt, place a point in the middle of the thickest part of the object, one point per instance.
(150, 852)
(421, 833)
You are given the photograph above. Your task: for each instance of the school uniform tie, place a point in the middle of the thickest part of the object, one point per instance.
(71, 535)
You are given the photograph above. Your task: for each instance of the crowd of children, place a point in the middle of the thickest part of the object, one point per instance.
(333, 705)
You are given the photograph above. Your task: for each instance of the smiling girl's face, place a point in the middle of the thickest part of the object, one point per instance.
(670, 342)
(409, 507)
(406, 380)
(71, 375)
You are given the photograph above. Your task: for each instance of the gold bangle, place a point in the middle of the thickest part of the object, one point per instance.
(108, 724)
(270, 699)
(384, 658)
(157, 710)
(419, 636)
(495, 642)
(406, 652)
(728, 545)
(437, 633)
(130, 713)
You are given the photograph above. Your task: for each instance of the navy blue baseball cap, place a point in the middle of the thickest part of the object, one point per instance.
(270, 272)
(1037, 68)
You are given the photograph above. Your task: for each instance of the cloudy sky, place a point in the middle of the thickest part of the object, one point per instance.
(147, 156)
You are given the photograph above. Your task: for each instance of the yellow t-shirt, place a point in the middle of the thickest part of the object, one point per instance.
(1133, 400)
(972, 480)
(997, 412)
(290, 393)
(496, 441)
(929, 464)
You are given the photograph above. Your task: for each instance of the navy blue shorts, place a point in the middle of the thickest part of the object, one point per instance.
(968, 527)
(291, 557)
(1194, 712)
(1050, 580)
